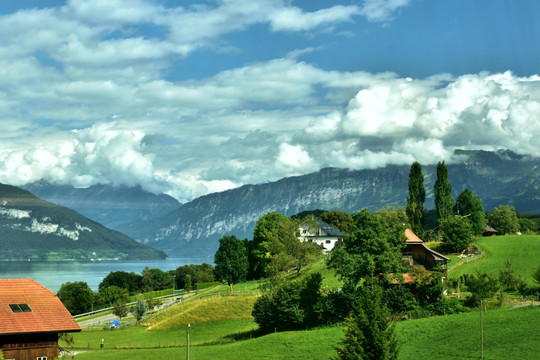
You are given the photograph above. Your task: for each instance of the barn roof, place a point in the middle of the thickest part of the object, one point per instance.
(26, 306)
(411, 237)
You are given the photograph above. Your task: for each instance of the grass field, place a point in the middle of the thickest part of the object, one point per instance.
(508, 334)
(222, 328)
(523, 251)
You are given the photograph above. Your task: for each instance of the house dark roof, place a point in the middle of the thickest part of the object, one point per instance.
(330, 230)
(26, 306)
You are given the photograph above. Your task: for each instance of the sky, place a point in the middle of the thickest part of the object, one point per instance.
(193, 97)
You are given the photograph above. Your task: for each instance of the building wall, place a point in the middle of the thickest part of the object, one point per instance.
(29, 346)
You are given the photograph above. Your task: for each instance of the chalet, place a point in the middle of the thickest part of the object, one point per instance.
(418, 253)
(323, 235)
(31, 317)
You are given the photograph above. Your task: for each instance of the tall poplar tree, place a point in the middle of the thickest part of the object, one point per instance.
(442, 190)
(415, 200)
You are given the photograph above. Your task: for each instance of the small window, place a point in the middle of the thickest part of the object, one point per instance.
(41, 358)
(328, 241)
(17, 308)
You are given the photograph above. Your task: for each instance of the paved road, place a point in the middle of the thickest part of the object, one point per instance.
(105, 320)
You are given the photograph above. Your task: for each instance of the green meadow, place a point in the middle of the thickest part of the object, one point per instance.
(523, 251)
(221, 326)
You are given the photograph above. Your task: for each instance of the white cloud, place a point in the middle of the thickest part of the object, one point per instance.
(381, 10)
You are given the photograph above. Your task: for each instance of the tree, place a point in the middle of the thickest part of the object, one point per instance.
(265, 232)
(139, 309)
(443, 193)
(482, 287)
(456, 232)
(155, 279)
(130, 281)
(77, 297)
(276, 246)
(113, 294)
(397, 221)
(470, 206)
(369, 333)
(291, 305)
(188, 285)
(120, 309)
(343, 221)
(369, 251)
(231, 261)
(504, 219)
(416, 198)
(507, 278)
(536, 275)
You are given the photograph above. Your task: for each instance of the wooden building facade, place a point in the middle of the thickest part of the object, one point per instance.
(418, 253)
(31, 319)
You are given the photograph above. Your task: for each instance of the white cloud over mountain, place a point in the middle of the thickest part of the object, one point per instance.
(85, 98)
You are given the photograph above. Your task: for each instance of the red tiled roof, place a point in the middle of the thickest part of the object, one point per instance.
(407, 278)
(411, 237)
(48, 313)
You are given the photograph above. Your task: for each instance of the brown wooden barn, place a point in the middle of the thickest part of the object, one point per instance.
(418, 253)
(31, 317)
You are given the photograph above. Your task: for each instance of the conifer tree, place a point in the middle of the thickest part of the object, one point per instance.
(369, 334)
(415, 200)
(442, 190)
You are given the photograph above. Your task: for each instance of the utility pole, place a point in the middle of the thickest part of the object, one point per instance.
(187, 335)
(481, 330)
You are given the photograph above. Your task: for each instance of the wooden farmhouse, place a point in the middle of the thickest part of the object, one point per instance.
(31, 317)
(323, 235)
(418, 253)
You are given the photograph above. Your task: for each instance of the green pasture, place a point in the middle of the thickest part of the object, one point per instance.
(523, 251)
(508, 334)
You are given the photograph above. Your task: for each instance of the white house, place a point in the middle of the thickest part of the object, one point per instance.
(323, 235)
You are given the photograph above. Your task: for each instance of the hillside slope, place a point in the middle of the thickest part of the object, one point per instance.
(31, 228)
(194, 228)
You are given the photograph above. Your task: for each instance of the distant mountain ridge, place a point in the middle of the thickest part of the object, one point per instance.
(35, 229)
(109, 205)
(193, 229)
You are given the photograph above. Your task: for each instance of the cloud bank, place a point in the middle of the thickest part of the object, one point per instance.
(85, 98)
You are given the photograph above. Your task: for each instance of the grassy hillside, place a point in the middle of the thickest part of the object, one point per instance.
(209, 309)
(523, 251)
(508, 334)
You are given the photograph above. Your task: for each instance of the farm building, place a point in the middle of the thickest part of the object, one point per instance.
(322, 234)
(31, 317)
(418, 253)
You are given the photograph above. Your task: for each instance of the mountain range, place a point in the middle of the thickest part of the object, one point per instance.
(193, 229)
(499, 178)
(35, 229)
(109, 205)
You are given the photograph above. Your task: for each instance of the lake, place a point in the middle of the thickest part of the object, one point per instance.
(52, 274)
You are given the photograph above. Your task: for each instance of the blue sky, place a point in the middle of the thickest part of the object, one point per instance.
(192, 97)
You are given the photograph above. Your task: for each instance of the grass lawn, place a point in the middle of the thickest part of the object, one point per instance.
(508, 334)
(523, 251)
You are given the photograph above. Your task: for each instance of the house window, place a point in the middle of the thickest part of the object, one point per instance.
(41, 358)
(17, 308)
(328, 241)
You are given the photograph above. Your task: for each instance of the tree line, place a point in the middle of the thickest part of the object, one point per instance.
(460, 219)
(116, 288)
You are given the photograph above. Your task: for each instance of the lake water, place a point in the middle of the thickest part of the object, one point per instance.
(52, 274)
